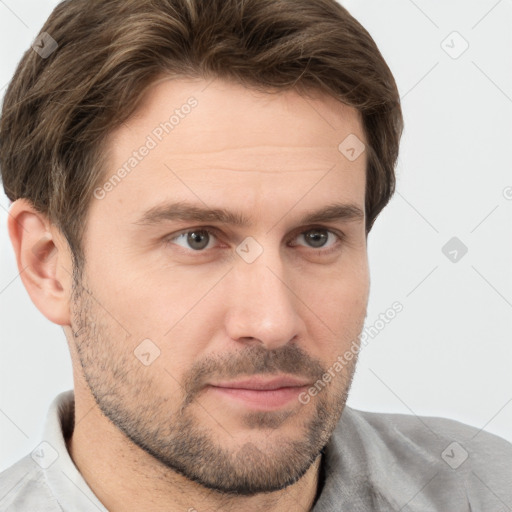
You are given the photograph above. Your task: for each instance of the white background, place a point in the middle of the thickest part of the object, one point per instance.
(449, 352)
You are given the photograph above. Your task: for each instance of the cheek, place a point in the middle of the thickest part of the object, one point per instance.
(170, 308)
(342, 309)
(138, 302)
(343, 286)
(336, 307)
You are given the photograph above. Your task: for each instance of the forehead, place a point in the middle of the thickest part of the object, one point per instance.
(212, 141)
(316, 119)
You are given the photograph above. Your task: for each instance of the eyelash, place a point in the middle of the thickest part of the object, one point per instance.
(213, 231)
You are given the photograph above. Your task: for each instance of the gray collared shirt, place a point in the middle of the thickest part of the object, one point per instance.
(373, 461)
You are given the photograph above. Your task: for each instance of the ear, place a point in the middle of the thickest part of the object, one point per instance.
(44, 260)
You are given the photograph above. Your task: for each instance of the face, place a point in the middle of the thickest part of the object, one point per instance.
(215, 299)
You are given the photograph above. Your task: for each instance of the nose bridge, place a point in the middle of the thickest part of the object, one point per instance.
(262, 306)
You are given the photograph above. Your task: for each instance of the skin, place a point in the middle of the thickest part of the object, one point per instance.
(157, 436)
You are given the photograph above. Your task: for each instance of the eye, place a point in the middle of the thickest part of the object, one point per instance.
(318, 238)
(196, 239)
(200, 239)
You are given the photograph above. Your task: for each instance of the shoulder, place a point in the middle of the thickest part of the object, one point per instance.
(419, 426)
(23, 488)
(433, 433)
(441, 462)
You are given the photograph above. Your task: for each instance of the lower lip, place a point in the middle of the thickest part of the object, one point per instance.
(261, 399)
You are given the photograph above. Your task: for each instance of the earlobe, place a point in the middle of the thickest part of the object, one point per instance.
(43, 261)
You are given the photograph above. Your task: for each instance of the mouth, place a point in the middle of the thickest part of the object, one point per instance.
(261, 393)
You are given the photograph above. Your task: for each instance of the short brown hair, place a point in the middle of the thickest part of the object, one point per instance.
(58, 111)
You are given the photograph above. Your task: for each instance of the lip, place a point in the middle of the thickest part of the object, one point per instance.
(260, 393)
(263, 384)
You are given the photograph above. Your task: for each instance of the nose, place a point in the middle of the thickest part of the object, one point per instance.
(263, 304)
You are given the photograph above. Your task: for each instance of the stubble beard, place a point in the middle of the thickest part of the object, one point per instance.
(171, 433)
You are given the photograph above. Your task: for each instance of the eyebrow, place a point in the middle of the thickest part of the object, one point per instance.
(182, 211)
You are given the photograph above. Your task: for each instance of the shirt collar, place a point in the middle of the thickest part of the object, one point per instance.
(65, 481)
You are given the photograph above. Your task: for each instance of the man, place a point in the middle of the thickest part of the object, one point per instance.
(193, 184)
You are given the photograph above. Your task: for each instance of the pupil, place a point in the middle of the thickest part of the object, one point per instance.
(194, 239)
(317, 238)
